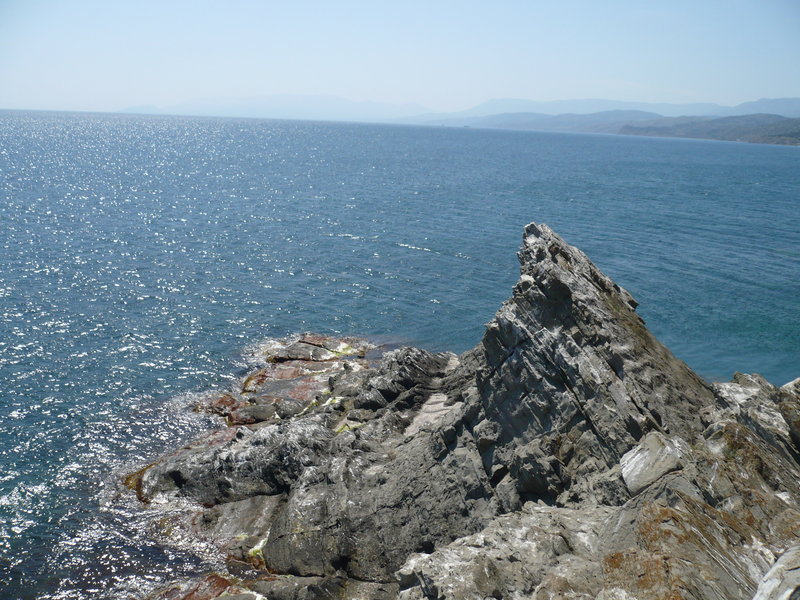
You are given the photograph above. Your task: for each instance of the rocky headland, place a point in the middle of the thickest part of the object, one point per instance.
(568, 455)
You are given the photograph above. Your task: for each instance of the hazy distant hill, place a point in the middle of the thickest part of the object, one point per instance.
(609, 121)
(589, 106)
(787, 107)
(759, 128)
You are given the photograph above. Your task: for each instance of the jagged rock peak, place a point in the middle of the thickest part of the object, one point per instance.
(571, 379)
(542, 246)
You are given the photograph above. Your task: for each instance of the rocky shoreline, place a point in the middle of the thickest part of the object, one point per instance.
(568, 455)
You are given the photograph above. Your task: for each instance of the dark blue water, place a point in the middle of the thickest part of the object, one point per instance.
(141, 256)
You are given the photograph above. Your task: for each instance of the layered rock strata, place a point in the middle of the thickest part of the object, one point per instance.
(568, 455)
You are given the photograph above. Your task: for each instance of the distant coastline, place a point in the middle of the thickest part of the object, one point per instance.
(755, 128)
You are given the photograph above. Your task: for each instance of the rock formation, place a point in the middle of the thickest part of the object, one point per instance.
(568, 455)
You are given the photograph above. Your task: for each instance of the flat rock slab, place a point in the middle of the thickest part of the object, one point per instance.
(430, 413)
(294, 379)
(655, 456)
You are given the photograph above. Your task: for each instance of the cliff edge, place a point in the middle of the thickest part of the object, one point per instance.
(568, 455)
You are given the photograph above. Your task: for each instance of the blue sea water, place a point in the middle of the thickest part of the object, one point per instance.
(142, 256)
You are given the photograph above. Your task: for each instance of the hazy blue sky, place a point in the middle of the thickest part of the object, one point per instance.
(445, 55)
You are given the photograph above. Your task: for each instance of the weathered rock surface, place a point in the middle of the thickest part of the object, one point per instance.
(568, 455)
(782, 581)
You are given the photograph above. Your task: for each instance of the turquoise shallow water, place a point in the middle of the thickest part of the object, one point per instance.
(142, 255)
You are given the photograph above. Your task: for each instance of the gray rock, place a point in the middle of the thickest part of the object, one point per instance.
(655, 456)
(769, 411)
(323, 588)
(496, 562)
(793, 387)
(248, 463)
(568, 455)
(782, 581)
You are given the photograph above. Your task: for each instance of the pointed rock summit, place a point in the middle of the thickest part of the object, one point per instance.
(568, 455)
(570, 379)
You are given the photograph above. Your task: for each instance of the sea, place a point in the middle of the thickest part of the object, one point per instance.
(142, 258)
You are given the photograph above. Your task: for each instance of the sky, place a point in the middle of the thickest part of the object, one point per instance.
(443, 55)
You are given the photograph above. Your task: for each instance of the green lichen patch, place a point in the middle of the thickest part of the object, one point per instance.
(347, 427)
(309, 407)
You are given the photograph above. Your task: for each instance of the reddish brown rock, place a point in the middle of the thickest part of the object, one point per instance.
(220, 405)
(207, 588)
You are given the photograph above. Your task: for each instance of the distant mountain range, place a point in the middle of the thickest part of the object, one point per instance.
(766, 121)
(769, 120)
(786, 107)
